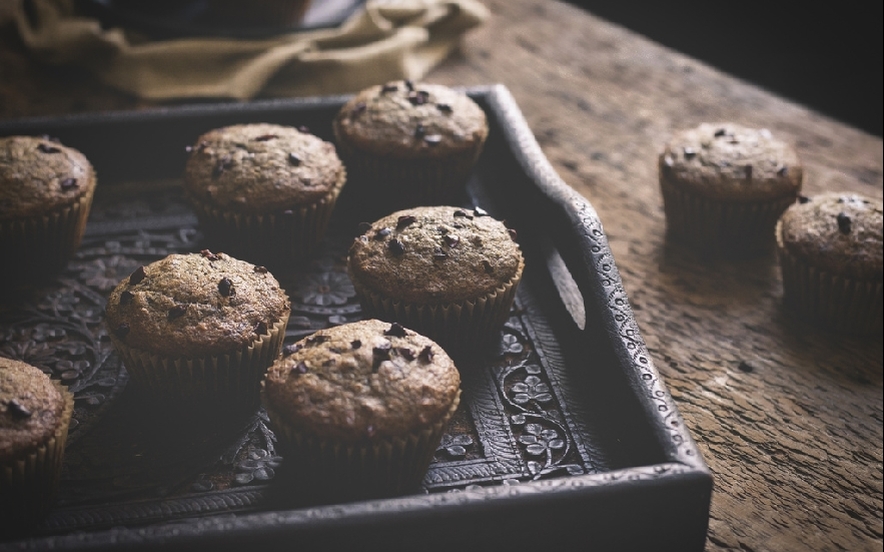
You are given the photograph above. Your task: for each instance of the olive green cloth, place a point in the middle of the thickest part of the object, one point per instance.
(383, 40)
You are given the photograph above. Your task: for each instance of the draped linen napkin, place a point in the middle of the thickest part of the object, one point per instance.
(383, 40)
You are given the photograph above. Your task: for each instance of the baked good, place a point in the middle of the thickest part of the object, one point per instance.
(263, 192)
(46, 192)
(446, 272)
(198, 327)
(830, 253)
(407, 144)
(724, 187)
(35, 414)
(359, 409)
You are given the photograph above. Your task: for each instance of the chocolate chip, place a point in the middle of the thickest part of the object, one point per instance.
(380, 354)
(17, 409)
(463, 214)
(225, 287)
(843, 223)
(720, 132)
(803, 199)
(50, 138)
(68, 183)
(451, 240)
(356, 344)
(382, 233)
(222, 165)
(209, 255)
(389, 87)
(177, 312)
(409, 85)
(294, 160)
(136, 276)
(433, 139)
(420, 131)
(261, 327)
(48, 149)
(745, 367)
(122, 330)
(265, 137)
(404, 221)
(487, 266)
(260, 269)
(406, 353)
(513, 234)
(689, 152)
(439, 253)
(396, 330)
(443, 107)
(299, 368)
(426, 354)
(316, 339)
(358, 108)
(419, 98)
(291, 349)
(396, 247)
(783, 171)
(126, 297)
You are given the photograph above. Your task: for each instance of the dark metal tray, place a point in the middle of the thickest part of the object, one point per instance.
(566, 432)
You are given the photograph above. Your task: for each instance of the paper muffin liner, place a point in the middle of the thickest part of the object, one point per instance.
(37, 247)
(29, 483)
(460, 328)
(228, 380)
(845, 305)
(272, 239)
(332, 470)
(386, 184)
(726, 228)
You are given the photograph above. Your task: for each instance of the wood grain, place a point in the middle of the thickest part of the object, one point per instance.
(788, 417)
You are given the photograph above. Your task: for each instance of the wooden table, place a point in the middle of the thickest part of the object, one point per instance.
(788, 417)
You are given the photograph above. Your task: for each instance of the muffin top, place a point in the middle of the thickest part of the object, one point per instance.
(730, 162)
(32, 408)
(362, 381)
(195, 304)
(840, 233)
(435, 255)
(402, 119)
(39, 175)
(261, 168)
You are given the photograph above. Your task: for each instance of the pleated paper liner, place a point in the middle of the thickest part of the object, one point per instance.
(226, 381)
(316, 470)
(460, 328)
(727, 229)
(29, 484)
(844, 305)
(275, 239)
(39, 247)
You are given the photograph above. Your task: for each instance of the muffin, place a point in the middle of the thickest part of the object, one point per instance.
(198, 328)
(446, 272)
(830, 254)
(407, 144)
(263, 192)
(359, 409)
(724, 187)
(46, 192)
(35, 414)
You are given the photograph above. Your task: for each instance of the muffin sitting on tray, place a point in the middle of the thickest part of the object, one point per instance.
(725, 185)
(46, 192)
(407, 144)
(263, 192)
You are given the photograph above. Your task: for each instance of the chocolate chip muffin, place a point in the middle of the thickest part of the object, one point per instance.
(359, 409)
(35, 414)
(446, 272)
(724, 187)
(199, 327)
(264, 192)
(830, 253)
(407, 144)
(46, 192)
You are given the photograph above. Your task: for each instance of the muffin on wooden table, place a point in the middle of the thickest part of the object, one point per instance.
(830, 250)
(724, 186)
(359, 409)
(447, 272)
(264, 192)
(407, 144)
(198, 328)
(46, 192)
(35, 414)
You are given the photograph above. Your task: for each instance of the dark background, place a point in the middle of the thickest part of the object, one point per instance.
(824, 55)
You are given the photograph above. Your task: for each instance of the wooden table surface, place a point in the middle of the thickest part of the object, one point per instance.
(788, 417)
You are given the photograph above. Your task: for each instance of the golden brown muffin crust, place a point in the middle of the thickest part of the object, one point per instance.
(30, 408)
(730, 162)
(39, 175)
(402, 119)
(195, 304)
(361, 381)
(262, 168)
(840, 233)
(435, 255)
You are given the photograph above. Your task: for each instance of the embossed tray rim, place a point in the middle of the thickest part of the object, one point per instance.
(663, 504)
